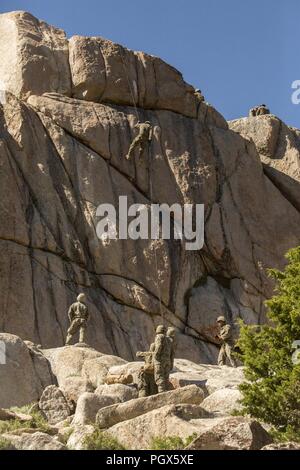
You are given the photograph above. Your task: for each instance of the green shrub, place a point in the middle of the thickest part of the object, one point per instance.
(271, 391)
(5, 444)
(37, 421)
(100, 440)
(288, 435)
(171, 442)
(65, 436)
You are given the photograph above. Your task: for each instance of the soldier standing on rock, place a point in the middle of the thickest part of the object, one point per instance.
(162, 359)
(146, 382)
(171, 335)
(144, 136)
(78, 315)
(225, 335)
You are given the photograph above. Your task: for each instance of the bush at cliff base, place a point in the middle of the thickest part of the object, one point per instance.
(270, 356)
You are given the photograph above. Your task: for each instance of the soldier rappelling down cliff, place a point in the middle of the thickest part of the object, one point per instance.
(142, 140)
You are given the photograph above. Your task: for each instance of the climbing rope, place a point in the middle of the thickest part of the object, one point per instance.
(155, 248)
(125, 66)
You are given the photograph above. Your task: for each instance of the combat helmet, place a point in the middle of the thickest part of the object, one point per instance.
(160, 329)
(81, 298)
(221, 319)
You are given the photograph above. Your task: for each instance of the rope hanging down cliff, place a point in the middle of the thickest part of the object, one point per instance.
(144, 136)
(128, 81)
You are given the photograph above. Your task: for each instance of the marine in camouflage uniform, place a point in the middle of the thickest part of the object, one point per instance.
(140, 142)
(199, 95)
(259, 110)
(146, 382)
(78, 315)
(162, 359)
(171, 335)
(225, 335)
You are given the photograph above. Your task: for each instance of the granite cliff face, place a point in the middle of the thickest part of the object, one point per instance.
(65, 127)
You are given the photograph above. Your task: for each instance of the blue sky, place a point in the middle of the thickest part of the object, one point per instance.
(238, 53)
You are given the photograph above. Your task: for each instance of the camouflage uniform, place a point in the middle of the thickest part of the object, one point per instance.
(262, 109)
(140, 141)
(146, 382)
(259, 110)
(78, 316)
(171, 335)
(162, 359)
(225, 335)
(199, 95)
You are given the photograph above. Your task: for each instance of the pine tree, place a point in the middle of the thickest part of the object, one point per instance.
(271, 391)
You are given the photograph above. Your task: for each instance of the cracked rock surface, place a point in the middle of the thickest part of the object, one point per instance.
(63, 141)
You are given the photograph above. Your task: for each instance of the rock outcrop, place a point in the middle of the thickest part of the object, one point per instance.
(34, 56)
(234, 433)
(33, 441)
(167, 421)
(198, 409)
(22, 382)
(279, 150)
(186, 421)
(65, 127)
(68, 109)
(108, 416)
(222, 402)
(54, 405)
(282, 446)
(89, 404)
(78, 436)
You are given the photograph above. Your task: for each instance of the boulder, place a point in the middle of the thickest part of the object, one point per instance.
(169, 420)
(75, 386)
(41, 364)
(222, 402)
(224, 377)
(206, 376)
(88, 406)
(21, 376)
(119, 379)
(54, 404)
(123, 392)
(282, 446)
(80, 369)
(34, 441)
(8, 415)
(97, 369)
(76, 439)
(104, 71)
(68, 361)
(34, 56)
(114, 414)
(234, 433)
(279, 149)
(130, 369)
